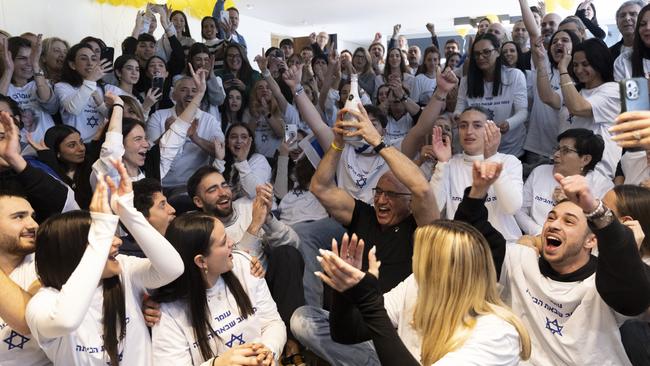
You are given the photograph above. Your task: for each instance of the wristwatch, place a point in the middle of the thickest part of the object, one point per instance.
(403, 98)
(379, 146)
(39, 73)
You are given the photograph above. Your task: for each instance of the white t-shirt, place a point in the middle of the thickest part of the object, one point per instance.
(78, 108)
(545, 122)
(359, 173)
(606, 106)
(538, 196)
(190, 156)
(174, 341)
(511, 105)
(504, 198)
(17, 349)
(266, 142)
(397, 129)
(636, 167)
(623, 66)
(493, 341)
(41, 112)
(423, 88)
(408, 82)
(298, 206)
(568, 322)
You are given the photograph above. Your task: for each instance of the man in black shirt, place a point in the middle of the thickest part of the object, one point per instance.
(403, 200)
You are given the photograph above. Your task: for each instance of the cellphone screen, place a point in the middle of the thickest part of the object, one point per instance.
(157, 83)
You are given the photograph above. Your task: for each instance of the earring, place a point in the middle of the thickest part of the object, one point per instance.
(205, 271)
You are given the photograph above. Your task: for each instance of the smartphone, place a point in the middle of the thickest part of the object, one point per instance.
(227, 77)
(157, 83)
(290, 132)
(107, 53)
(224, 16)
(634, 95)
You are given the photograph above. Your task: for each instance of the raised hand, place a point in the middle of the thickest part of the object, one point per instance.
(126, 185)
(262, 62)
(431, 28)
(351, 250)
(312, 37)
(565, 61)
(492, 139)
(577, 191)
(293, 76)
(396, 29)
(377, 38)
(112, 99)
(99, 201)
(341, 275)
(440, 149)
(152, 97)
(101, 68)
(7, 58)
(10, 143)
(35, 56)
(484, 174)
(632, 130)
(36, 145)
(219, 149)
(363, 125)
(199, 77)
(446, 80)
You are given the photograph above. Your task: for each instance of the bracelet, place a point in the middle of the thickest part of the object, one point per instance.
(564, 73)
(266, 74)
(336, 148)
(299, 90)
(118, 105)
(567, 83)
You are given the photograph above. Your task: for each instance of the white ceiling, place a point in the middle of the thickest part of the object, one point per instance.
(357, 21)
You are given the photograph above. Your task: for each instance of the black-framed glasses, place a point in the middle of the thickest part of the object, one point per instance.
(389, 194)
(484, 53)
(564, 150)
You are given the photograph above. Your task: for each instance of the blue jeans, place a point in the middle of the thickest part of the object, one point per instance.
(310, 325)
(315, 235)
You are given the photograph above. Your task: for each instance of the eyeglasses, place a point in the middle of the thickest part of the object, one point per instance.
(564, 150)
(484, 53)
(389, 194)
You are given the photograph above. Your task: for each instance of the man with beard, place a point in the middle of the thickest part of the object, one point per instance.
(521, 38)
(413, 56)
(560, 290)
(18, 281)
(254, 229)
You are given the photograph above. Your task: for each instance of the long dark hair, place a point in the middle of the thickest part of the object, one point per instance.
(422, 69)
(69, 75)
(224, 108)
(475, 87)
(639, 49)
(119, 63)
(61, 242)
(598, 56)
(207, 19)
(402, 64)
(186, 30)
(230, 174)
(520, 58)
(190, 235)
(55, 135)
(246, 71)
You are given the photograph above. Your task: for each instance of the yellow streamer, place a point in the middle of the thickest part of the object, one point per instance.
(194, 8)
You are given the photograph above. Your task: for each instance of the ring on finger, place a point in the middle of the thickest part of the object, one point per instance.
(637, 135)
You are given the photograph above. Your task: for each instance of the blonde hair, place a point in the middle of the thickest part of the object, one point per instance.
(453, 267)
(255, 106)
(47, 43)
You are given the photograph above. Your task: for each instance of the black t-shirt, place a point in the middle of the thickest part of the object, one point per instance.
(394, 244)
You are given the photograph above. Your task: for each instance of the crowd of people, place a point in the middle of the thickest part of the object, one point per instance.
(390, 205)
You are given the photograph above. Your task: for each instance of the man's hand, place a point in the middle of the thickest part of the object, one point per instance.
(577, 191)
(431, 28)
(632, 130)
(492, 139)
(446, 80)
(377, 38)
(396, 29)
(484, 174)
(364, 127)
